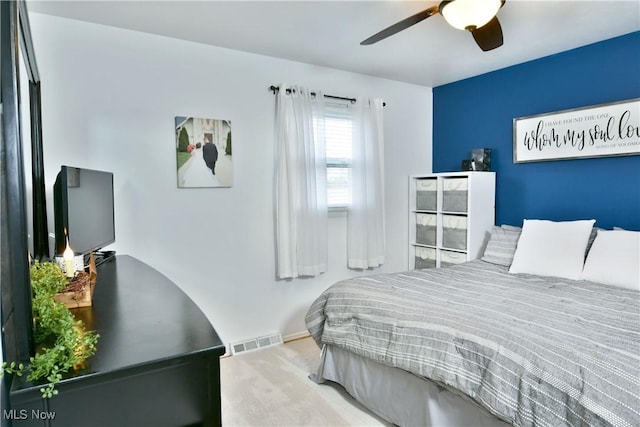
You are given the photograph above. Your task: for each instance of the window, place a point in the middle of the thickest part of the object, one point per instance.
(338, 130)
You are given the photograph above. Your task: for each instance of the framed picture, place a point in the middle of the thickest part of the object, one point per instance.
(597, 131)
(203, 152)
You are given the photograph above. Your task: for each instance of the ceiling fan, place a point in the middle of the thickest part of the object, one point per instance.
(476, 16)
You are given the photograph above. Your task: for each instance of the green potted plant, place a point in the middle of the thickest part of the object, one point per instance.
(61, 340)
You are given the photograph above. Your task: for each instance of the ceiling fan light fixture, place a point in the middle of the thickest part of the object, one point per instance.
(469, 14)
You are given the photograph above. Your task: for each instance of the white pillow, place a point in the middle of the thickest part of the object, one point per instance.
(614, 259)
(549, 248)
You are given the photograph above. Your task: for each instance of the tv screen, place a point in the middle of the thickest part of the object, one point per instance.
(83, 208)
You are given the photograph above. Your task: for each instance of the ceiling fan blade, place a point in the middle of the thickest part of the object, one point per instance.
(402, 25)
(489, 36)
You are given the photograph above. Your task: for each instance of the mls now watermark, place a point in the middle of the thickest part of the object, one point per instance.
(23, 414)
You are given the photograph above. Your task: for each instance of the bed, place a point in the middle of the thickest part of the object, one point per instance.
(474, 344)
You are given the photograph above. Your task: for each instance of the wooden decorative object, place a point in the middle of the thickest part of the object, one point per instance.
(79, 291)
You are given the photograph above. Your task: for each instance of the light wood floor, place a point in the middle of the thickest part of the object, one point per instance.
(270, 387)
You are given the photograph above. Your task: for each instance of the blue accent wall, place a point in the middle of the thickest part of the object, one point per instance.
(478, 113)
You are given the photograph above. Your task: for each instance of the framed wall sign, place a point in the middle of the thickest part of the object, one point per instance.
(597, 131)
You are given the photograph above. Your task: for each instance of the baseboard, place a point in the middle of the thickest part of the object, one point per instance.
(296, 336)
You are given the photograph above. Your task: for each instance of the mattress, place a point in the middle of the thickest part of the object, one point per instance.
(531, 350)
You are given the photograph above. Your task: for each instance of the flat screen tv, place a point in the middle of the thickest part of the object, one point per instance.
(83, 210)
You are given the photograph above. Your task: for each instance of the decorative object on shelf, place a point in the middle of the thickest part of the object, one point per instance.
(79, 290)
(69, 262)
(62, 343)
(480, 161)
(481, 158)
(603, 130)
(203, 152)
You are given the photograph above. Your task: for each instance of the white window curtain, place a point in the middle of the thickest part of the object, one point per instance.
(300, 188)
(366, 223)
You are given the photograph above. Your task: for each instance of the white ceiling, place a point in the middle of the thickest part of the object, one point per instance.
(328, 33)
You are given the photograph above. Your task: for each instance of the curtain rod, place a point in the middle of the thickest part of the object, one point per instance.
(275, 89)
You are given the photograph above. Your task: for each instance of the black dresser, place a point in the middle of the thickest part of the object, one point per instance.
(157, 362)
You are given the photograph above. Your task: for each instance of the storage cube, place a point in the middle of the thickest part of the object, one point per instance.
(454, 195)
(454, 232)
(453, 219)
(449, 258)
(425, 258)
(426, 229)
(426, 194)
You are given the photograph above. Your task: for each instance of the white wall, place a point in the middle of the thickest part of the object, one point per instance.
(109, 101)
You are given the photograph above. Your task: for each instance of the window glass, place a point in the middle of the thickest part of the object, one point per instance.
(338, 130)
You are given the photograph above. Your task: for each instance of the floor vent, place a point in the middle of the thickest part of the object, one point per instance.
(255, 343)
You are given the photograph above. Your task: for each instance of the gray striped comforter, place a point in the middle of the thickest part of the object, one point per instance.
(533, 350)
